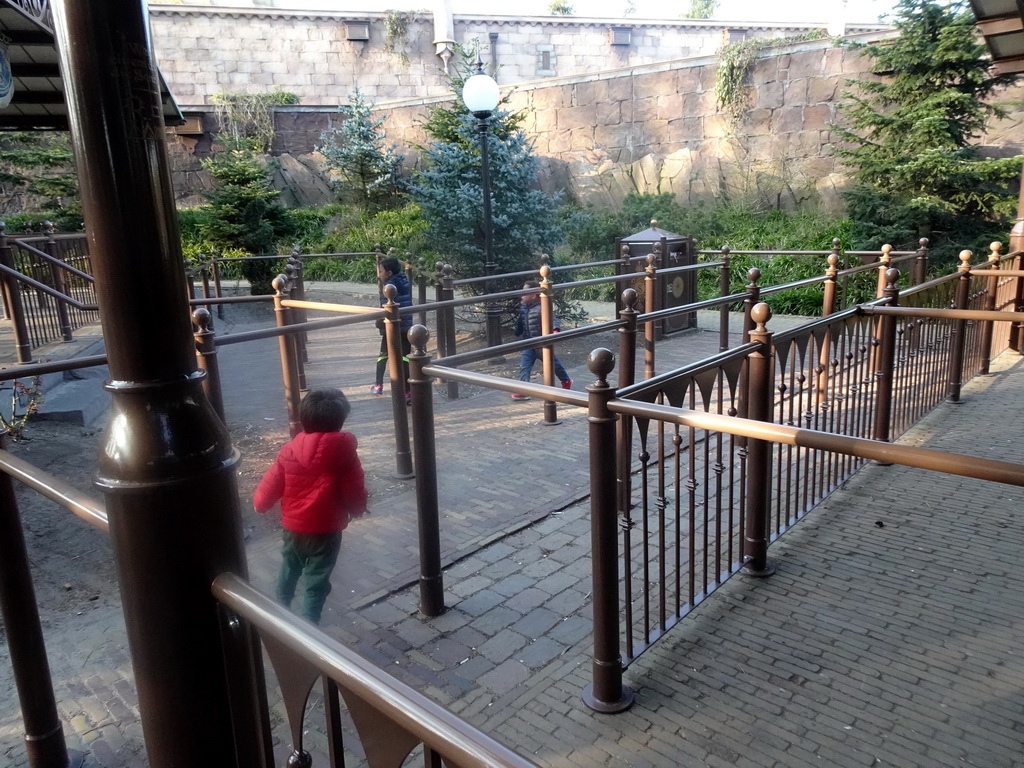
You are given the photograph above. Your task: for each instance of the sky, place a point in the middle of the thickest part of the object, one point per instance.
(805, 11)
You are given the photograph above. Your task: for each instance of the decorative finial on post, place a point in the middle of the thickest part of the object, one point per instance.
(761, 314)
(892, 276)
(629, 298)
(203, 319)
(995, 246)
(545, 272)
(753, 276)
(601, 362)
(833, 265)
(418, 338)
(965, 261)
(545, 259)
(279, 284)
(390, 292)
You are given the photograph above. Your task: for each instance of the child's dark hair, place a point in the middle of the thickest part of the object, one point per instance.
(531, 284)
(324, 410)
(390, 264)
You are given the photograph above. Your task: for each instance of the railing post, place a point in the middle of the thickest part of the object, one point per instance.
(884, 262)
(547, 352)
(1017, 329)
(296, 318)
(204, 271)
(425, 452)
(396, 372)
(660, 254)
(991, 294)
(921, 262)
(440, 317)
(57, 275)
(605, 693)
(217, 291)
(724, 285)
(12, 298)
(206, 357)
(758, 401)
(622, 267)
(650, 285)
(167, 468)
(627, 376)
(286, 345)
(44, 736)
(828, 301)
(448, 285)
(421, 284)
(885, 372)
(299, 294)
(959, 340)
(753, 297)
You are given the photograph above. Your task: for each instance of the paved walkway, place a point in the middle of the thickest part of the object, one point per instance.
(889, 636)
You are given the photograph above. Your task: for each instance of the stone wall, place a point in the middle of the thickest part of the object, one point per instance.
(658, 128)
(205, 50)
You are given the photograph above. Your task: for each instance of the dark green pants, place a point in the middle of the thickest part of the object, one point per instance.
(311, 556)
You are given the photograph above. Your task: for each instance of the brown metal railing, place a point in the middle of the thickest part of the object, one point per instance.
(48, 288)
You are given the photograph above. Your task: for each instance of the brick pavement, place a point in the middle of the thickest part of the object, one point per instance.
(889, 644)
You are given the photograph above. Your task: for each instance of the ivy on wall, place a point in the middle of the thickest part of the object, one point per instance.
(247, 119)
(734, 62)
(396, 33)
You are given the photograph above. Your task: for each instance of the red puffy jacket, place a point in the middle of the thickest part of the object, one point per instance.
(319, 480)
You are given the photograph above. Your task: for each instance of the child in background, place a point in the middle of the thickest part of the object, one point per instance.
(528, 327)
(319, 481)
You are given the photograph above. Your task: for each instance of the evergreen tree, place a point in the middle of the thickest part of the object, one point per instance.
(908, 136)
(37, 178)
(366, 172)
(560, 8)
(243, 212)
(449, 190)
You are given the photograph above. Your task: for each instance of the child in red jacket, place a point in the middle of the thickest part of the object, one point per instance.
(319, 480)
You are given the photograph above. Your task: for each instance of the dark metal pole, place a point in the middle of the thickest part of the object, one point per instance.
(427, 510)
(650, 285)
(724, 283)
(547, 315)
(990, 304)
(206, 358)
(396, 372)
(605, 693)
(491, 309)
(448, 281)
(167, 467)
(12, 298)
(884, 262)
(753, 298)
(289, 359)
(921, 262)
(44, 737)
(959, 340)
(759, 457)
(421, 285)
(627, 376)
(296, 316)
(57, 275)
(885, 374)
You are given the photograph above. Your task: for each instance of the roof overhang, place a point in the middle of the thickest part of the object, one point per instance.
(1001, 23)
(37, 103)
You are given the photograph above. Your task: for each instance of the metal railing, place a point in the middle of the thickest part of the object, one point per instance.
(48, 288)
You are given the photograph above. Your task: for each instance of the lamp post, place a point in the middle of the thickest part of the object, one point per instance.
(480, 95)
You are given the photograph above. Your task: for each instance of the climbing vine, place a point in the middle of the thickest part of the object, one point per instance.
(25, 400)
(396, 32)
(734, 61)
(247, 119)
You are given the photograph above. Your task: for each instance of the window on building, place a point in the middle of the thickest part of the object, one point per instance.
(545, 61)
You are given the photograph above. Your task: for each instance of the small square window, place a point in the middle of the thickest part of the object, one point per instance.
(620, 35)
(545, 60)
(357, 30)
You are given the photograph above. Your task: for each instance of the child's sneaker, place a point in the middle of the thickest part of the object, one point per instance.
(377, 389)
(519, 396)
(567, 384)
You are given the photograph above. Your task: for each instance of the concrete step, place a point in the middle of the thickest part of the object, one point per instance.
(75, 397)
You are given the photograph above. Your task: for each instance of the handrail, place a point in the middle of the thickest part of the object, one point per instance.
(452, 738)
(88, 509)
(905, 455)
(58, 366)
(55, 261)
(48, 290)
